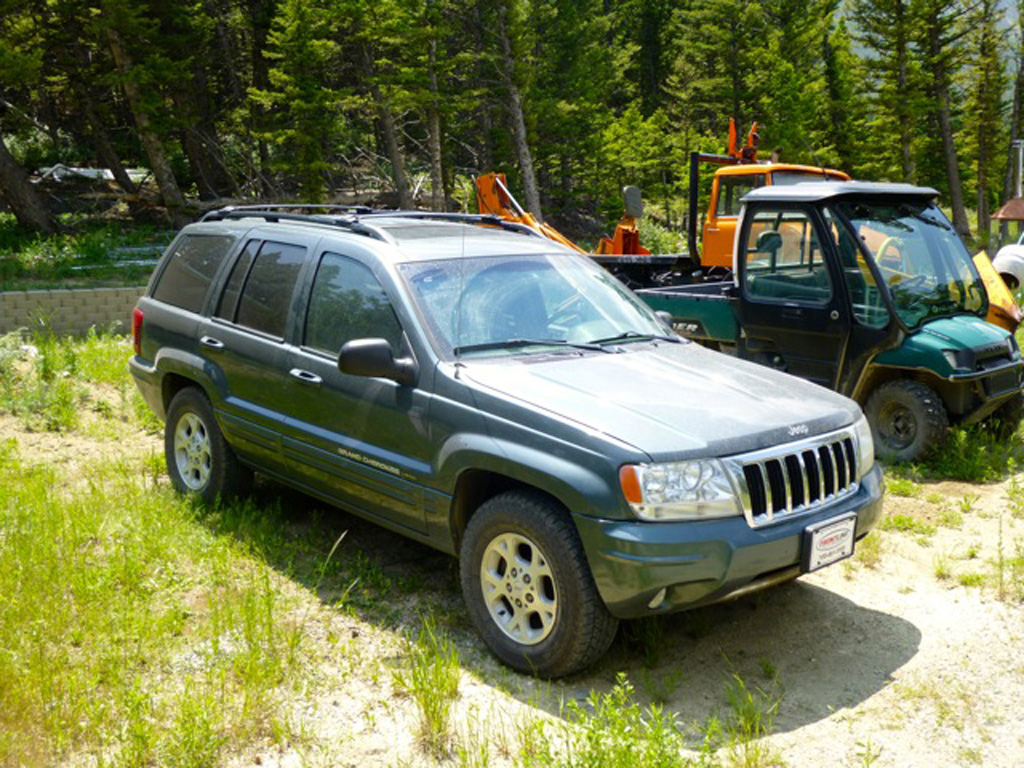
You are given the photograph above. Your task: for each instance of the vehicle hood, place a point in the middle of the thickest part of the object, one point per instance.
(671, 401)
(925, 347)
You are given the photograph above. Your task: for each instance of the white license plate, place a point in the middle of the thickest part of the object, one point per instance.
(829, 542)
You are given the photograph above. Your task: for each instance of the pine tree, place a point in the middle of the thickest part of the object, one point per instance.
(302, 106)
(984, 111)
(940, 27)
(885, 28)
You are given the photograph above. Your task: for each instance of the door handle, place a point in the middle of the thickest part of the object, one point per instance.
(792, 313)
(212, 343)
(306, 377)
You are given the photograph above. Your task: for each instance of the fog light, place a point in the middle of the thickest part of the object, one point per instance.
(657, 600)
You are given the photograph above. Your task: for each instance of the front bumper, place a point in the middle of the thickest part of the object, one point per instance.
(707, 561)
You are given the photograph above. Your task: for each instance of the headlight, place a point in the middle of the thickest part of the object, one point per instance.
(951, 359)
(681, 490)
(865, 446)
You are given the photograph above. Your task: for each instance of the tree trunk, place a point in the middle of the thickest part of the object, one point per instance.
(515, 110)
(437, 201)
(170, 193)
(956, 194)
(103, 147)
(485, 156)
(1009, 185)
(392, 146)
(940, 90)
(906, 157)
(262, 13)
(25, 202)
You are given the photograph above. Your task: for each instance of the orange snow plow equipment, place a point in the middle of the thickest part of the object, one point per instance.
(493, 197)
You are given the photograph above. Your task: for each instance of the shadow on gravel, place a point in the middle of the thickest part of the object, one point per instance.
(819, 650)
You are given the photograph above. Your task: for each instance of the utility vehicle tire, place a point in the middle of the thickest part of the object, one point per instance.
(908, 419)
(1005, 420)
(199, 460)
(528, 587)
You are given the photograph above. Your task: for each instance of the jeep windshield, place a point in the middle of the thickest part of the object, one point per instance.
(505, 305)
(923, 263)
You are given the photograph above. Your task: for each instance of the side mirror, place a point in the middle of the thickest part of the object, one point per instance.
(665, 317)
(634, 202)
(374, 357)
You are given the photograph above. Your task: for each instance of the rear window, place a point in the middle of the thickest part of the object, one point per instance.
(190, 269)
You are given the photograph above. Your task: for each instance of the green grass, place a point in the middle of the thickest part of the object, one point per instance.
(902, 486)
(869, 550)
(43, 378)
(83, 254)
(129, 629)
(973, 455)
(431, 677)
(613, 729)
(906, 524)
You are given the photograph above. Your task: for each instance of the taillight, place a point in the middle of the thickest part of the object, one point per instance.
(137, 330)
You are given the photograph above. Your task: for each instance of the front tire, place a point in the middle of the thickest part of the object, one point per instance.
(199, 460)
(528, 587)
(908, 419)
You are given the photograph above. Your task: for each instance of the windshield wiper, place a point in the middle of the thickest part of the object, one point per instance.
(634, 336)
(514, 343)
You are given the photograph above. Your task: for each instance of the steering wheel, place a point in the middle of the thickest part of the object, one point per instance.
(891, 242)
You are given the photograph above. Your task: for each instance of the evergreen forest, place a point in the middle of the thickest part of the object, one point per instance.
(402, 102)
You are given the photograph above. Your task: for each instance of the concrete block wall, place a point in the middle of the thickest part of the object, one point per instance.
(70, 311)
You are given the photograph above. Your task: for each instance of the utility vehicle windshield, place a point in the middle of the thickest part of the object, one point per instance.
(923, 263)
(503, 305)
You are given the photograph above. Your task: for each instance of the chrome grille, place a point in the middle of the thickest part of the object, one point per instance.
(796, 477)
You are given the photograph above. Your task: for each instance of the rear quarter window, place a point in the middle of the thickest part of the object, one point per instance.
(190, 270)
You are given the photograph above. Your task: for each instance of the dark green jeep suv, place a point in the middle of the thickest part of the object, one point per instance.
(496, 396)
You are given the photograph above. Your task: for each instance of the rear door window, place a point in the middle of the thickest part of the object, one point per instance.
(190, 270)
(268, 288)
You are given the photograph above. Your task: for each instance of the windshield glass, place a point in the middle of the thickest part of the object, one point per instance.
(502, 305)
(923, 263)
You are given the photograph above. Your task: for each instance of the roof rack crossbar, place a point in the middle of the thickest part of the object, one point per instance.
(471, 218)
(358, 209)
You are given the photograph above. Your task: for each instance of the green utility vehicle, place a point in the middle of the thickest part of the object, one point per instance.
(866, 289)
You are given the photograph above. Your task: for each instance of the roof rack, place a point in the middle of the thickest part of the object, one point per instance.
(271, 214)
(357, 217)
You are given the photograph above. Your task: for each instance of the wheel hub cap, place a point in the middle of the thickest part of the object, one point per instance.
(192, 452)
(519, 588)
(898, 426)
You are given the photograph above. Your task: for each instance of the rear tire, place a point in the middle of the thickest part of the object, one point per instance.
(199, 460)
(528, 587)
(908, 419)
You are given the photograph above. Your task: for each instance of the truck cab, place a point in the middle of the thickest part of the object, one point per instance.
(866, 289)
(728, 188)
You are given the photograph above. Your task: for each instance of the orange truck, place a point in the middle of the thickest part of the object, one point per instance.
(740, 173)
